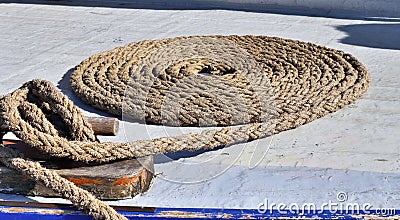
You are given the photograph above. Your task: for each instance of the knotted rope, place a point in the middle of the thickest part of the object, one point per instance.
(272, 85)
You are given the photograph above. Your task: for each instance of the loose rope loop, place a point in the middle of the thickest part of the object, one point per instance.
(26, 113)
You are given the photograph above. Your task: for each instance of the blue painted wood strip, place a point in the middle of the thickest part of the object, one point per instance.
(34, 213)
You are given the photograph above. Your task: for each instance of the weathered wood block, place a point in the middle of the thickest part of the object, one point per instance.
(104, 125)
(116, 180)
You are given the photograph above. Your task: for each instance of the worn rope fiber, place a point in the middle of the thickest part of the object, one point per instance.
(274, 85)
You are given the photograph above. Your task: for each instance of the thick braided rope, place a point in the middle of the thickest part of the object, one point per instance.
(300, 95)
(281, 84)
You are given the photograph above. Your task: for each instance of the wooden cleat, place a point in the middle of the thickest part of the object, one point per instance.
(111, 181)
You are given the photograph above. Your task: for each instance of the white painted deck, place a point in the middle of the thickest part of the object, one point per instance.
(355, 150)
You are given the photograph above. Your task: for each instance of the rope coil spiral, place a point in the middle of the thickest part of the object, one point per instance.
(306, 81)
(274, 85)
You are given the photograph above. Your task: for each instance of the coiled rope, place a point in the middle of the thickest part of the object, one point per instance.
(270, 85)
